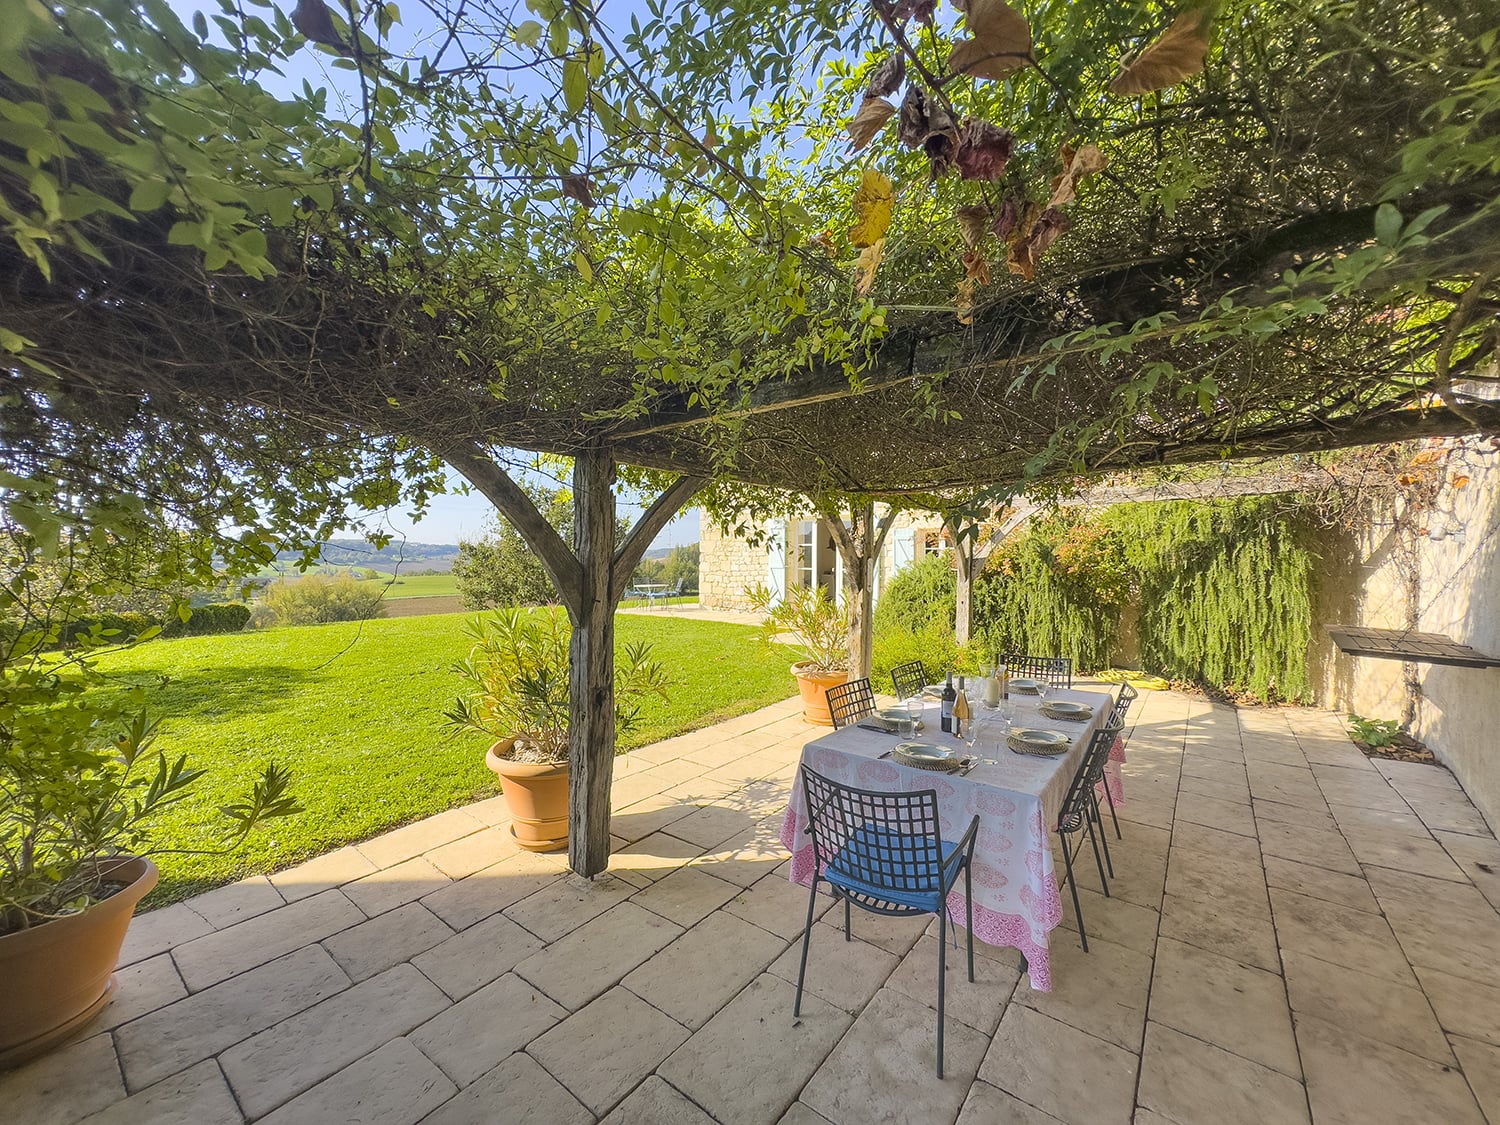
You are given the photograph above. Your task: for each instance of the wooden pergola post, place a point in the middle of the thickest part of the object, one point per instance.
(591, 575)
(859, 542)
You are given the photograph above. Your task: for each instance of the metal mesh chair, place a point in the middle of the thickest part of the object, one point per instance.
(1056, 670)
(848, 703)
(1116, 719)
(909, 679)
(884, 852)
(1079, 812)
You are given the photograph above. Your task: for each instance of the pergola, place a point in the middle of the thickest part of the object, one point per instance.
(154, 375)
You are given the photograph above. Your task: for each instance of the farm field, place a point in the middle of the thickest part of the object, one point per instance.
(355, 712)
(419, 586)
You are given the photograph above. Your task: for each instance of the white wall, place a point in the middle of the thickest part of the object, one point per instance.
(1457, 711)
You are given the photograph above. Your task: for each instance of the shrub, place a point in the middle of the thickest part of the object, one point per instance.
(319, 599)
(262, 616)
(221, 617)
(919, 597)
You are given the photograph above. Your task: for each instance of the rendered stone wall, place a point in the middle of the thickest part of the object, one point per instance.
(727, 566)
(1457, 592)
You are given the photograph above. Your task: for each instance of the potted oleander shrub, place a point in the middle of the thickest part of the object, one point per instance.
(518, 697)
(820, 629)
(81, 788)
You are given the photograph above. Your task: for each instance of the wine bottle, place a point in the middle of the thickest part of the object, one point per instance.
(961, 712)
(949, 695)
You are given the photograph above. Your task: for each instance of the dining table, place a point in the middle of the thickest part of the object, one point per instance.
(1017, 797)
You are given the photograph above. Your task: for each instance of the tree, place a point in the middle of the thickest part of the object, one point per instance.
(500, 569)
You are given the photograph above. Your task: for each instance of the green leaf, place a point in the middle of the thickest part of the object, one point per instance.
(1387, 224)
(529, 33)
(575, 82)
(148, 195)
(183, 233)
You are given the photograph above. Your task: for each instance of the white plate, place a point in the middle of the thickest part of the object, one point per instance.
(934, 690)
(927, 751)
(1062, 707)
(896, 716)
(1021, 683)
(1047, 738)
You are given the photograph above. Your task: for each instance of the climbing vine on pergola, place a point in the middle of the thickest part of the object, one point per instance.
(1090, 237)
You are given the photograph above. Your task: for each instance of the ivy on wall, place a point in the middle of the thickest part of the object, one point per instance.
(1225, 591)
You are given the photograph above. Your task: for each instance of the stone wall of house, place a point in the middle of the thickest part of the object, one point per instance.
(727, 565)
(1446, 559)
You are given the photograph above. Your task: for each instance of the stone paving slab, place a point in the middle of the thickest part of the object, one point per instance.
(1293, 932)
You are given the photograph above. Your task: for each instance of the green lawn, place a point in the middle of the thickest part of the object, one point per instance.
(420, 586)
(355, 712)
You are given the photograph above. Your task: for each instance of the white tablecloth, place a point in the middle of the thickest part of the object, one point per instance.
(1017, 800)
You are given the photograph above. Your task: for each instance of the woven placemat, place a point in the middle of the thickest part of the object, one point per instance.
(1022, 746)
(1067, 716)
(943, 765)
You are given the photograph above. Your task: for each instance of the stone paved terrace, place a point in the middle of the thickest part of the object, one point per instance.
(1296, 933)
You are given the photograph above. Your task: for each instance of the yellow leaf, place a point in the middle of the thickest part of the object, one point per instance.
(1459, 481)
(869, 262)
(1177, 55)
(585, 267)
(872, 208)
(871, 118)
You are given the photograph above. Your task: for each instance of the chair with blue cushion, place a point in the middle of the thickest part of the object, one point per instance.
(884, 852)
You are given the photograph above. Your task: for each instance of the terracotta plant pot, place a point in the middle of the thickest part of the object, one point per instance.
(58, 976)
(537, 796)
(814, 688)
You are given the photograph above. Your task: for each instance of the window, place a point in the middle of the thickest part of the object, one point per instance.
(934, 543)
(806, 553)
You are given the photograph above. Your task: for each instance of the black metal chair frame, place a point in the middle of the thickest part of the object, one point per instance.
(1056, 670)
(1080, 810)
(837, 814)
(908, 679)
(1117, 714)
(850, 702)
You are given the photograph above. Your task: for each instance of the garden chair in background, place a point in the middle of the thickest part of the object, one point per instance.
(848, 703)
(909, 679)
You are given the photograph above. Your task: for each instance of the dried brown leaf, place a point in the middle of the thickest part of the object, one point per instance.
(888, 76)
(1025, 252)
(973, 58)
(1177, 55)
(941, 142)
(912, 125)
(919, 10)
(871, 118)
(580, 188)
(865, 267)
(315, 22)
(983, 150)
(1000, 43)
(823, 241)
(1006, 219)
(1077, 164)
(973, 223)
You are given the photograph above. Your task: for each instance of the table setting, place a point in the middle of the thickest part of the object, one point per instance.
(1009, 764)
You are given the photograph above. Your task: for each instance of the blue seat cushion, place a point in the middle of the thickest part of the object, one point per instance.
(889, 851)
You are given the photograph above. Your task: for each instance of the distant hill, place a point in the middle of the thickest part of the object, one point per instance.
(395, 557)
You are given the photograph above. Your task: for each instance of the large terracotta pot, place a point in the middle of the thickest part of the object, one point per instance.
(56, 977)
(537, 796)
(814, 689)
